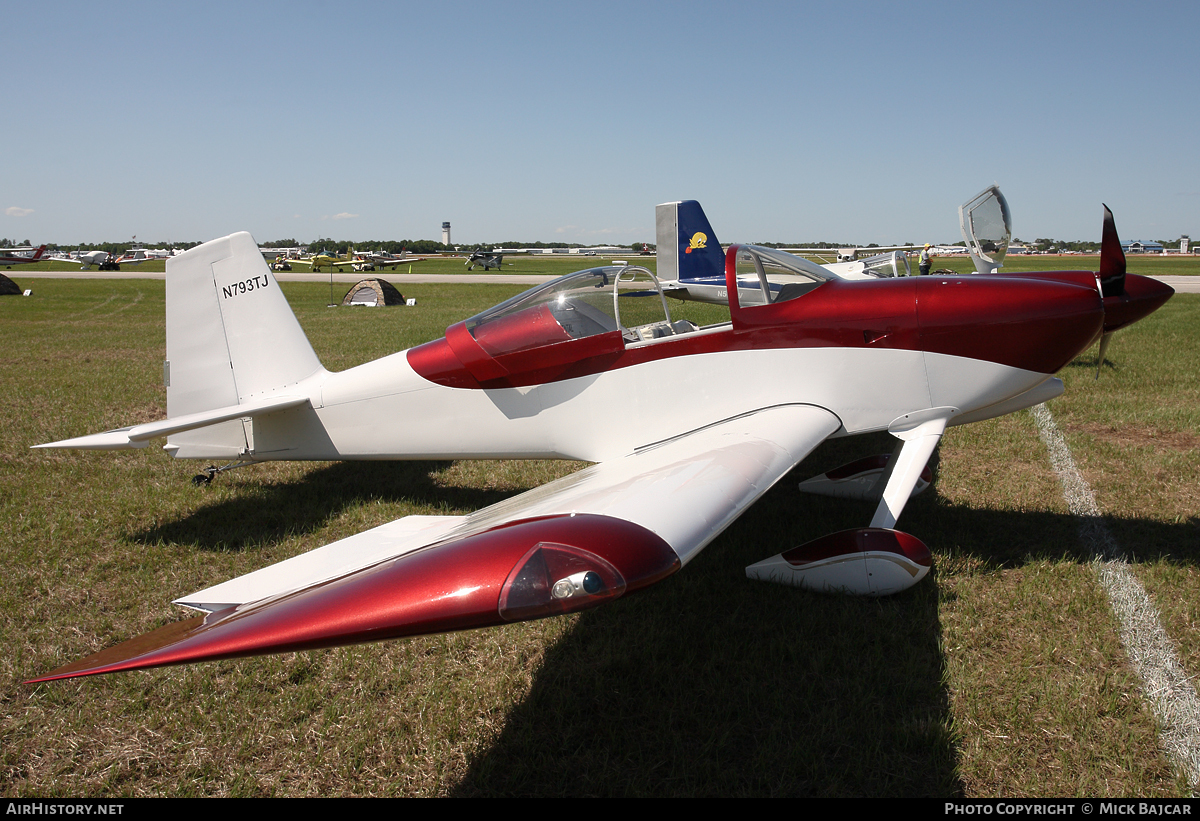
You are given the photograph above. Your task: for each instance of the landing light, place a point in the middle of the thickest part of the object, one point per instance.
(587, 583)
(551, 579)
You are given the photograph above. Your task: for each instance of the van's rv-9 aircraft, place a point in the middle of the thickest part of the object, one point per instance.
(687, 425)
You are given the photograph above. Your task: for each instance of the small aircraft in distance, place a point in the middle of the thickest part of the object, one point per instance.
(110, 262)
(21, 256)
(488, 259)
(359, 261)
(687, 426)
(103, 260)
(138, 254)
(323, 260)
(133, 256)
(371, 260)
(851, 254)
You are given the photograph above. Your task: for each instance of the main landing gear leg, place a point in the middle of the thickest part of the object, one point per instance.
(919, 436)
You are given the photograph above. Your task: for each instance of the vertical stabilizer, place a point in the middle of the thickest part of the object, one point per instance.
(688, 249)
(231, 335)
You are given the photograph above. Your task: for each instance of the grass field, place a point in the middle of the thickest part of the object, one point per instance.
(1003, 674)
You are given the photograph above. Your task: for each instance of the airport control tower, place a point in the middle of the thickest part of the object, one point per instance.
(445, 233)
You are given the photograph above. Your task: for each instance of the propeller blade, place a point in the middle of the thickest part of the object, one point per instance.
(1112, 258)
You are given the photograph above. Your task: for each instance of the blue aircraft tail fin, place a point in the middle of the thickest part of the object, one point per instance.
(688, 249)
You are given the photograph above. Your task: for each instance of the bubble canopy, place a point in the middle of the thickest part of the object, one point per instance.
(624, 300)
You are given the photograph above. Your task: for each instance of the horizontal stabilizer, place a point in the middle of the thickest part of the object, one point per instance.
(138, 436)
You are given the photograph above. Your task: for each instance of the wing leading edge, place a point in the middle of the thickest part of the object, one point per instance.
(569, 545)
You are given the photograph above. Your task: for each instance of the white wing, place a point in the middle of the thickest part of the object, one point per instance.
(580, 541)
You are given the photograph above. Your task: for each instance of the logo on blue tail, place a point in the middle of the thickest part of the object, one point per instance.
(700, 255)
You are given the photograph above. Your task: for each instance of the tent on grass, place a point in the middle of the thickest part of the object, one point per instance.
(373, 292)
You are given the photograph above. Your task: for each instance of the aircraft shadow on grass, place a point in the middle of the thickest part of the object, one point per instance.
(275, 511)
(707, 687)
(1092, 365)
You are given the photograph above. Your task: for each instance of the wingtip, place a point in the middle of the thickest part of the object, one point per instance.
(506, 573)
(136, 653)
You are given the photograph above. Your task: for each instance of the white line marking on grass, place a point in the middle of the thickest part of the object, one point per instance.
(1172, 696)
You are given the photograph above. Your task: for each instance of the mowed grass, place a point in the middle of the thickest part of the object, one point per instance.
(1000, 675)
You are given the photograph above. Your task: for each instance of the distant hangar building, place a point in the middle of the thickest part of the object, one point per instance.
(1140, 246)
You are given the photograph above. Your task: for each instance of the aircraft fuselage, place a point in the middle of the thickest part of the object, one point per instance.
(869, 352)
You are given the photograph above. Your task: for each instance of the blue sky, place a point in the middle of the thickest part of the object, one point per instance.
(851, 121)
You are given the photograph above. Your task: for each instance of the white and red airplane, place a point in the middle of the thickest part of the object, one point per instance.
(687, 427)
(21, 256)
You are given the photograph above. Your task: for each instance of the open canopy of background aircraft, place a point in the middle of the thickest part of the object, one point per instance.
(686, 426)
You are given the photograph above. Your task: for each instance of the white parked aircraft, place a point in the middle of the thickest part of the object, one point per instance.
(86, 259)
(687, 427)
